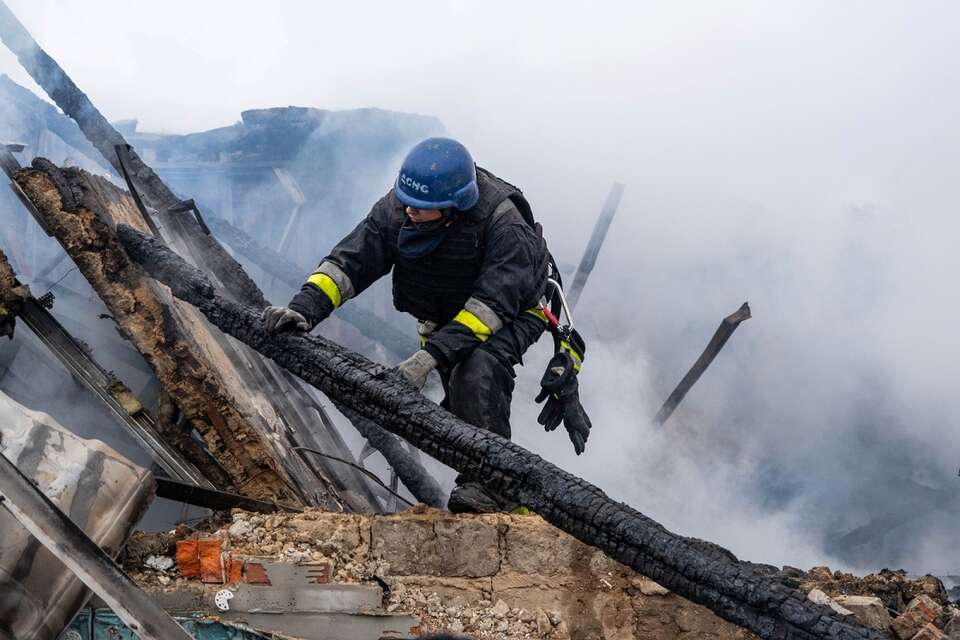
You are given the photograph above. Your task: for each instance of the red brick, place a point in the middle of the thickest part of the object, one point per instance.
(211, 563)
(188, 558)
(319, 573)
(256, 574)
(234, 571)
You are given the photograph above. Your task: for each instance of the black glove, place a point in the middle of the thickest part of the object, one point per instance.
(307, 309)
(284, 320)
(559, 387)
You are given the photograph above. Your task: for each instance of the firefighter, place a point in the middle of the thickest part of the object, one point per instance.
(471, 266)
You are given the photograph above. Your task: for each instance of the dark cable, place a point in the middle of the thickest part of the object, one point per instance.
(68, 272)
(358, 468)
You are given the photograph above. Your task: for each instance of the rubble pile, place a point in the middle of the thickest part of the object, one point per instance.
(907, 608)
(499, 576)
(894, 588)
(493, 576)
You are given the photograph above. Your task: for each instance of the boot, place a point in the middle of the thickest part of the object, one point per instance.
(471, 497)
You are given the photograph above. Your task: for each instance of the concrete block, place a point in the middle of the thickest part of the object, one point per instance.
(455, 547)
(468, 548)
(287, 574)
(556, 594)
(534, 547)
(869, 611)
(330, 626)
(323, 598)
(408, 545)
(614, 611)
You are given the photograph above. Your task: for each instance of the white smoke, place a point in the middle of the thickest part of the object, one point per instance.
(801, 157)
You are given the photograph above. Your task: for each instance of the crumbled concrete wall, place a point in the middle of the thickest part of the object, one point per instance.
(491, 576)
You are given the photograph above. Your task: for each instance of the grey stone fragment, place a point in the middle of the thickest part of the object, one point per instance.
(869, 611)
(817, 596)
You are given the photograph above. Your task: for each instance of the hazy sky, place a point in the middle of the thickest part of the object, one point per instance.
(801, 155)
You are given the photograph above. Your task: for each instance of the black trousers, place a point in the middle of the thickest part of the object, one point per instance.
(479, 389)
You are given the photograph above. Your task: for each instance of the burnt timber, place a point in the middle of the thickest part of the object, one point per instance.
(697, 570)
(190, 232)
(227, 406)
(200, 378)
(727, 326)
(597, 237)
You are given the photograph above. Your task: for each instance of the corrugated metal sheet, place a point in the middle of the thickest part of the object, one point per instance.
(102, 492)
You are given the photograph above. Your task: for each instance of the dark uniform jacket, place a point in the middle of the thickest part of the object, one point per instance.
(491, 266)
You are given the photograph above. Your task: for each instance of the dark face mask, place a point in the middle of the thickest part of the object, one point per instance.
(419, 240)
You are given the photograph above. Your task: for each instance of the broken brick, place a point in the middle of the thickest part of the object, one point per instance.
(929, 632)
(909, 623)
(188, 558)
(319, 573)
(256, 574)
(234, 571)
(211, 562)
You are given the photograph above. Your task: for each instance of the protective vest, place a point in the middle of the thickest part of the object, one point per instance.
(435, 287)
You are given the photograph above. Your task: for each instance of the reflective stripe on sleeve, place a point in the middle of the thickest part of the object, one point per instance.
(339, 277)
(484, 314)
(472, 322)
(326, 284)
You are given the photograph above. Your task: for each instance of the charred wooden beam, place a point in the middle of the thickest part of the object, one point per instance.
(213, 499)
(697, 570)
(54, 80)
(727, 326)
(191, 233)
(78, 209)
(592, 251)
(83, 557)
(225, 408)
(411, 473)
(62, 90)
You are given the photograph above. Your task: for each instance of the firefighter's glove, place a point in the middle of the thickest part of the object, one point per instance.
(417, 367)
(560, 389)
(283, 320)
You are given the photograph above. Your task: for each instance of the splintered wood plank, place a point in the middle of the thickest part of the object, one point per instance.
(222, 402)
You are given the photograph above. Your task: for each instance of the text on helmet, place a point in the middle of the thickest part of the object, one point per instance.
(410, 183)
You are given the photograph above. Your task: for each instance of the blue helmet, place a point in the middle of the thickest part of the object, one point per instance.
(436, 174)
